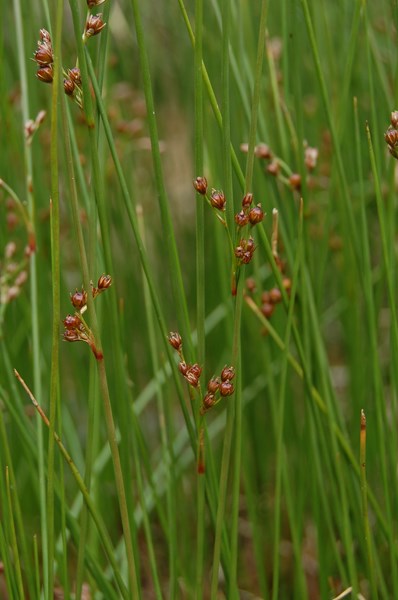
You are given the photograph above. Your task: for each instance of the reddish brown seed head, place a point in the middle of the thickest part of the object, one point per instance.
(295, 181)
(226, 388)
(196, 369)
(213, 385)
(104, 282)
(391, 137)
(247, 200)
(256, 215)
(79, 299)
(183, 367)
(175, 340)
(287, 284)
(275, 295)
(94, 25)
(44, 55)
(69, 87)
(75, 76)
(45, 74)
(394, 118)
(71, 335)
(227, 373)
(200, 185)
(267, 309)
(72, 322)
(217, 199)
(241, 219)
(262, 151)
(251, 285)
(209, 401)
(45, 36)
(273, 168)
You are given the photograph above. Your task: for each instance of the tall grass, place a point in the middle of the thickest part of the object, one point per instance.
(128, 468)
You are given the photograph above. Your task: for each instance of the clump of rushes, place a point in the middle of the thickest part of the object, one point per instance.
(76, 328)
(277, 168)
(391, 135)
(242, 248)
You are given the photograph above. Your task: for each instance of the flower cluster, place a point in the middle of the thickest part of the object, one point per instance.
(44, 57)
(76, 329)
(73, 85)
(217, 387)
(391, 135)
(244, 251)
(251, 215)
(276, 167)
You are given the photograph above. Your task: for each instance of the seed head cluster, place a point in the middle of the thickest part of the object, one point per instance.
(76, 329)
(217, 388)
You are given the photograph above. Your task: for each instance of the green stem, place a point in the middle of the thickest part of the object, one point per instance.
(55, 278)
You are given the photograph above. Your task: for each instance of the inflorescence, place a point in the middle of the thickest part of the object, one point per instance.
(250, 215)
(218, 387)
(76, 329)
(44, 56)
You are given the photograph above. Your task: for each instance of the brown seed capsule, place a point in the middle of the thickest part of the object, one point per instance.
(247, 200)
(200, 185)
(79, 299)
(44, 55)
(71, 335)
(217, 199)
(104, 282)
(175, 340)
(226, 388)
(45, 36)
(94, 25)
(45, 74)
(391, 137)
(213, 385)
(295, 181)
(69, 87)
(74, 75)
(265, 296)
(273, 168)
(267, 309)
(92, 3)
(256, 215)
(196, 369)
(246, 258)
(239, 251)
(275, 295)
(227, 373)
(262, 151)
(192, 378)
(72, 322)
(251, 285)
(250, 247)
(183, 367)
(241, 219)
(208, 401)
(394, 118)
